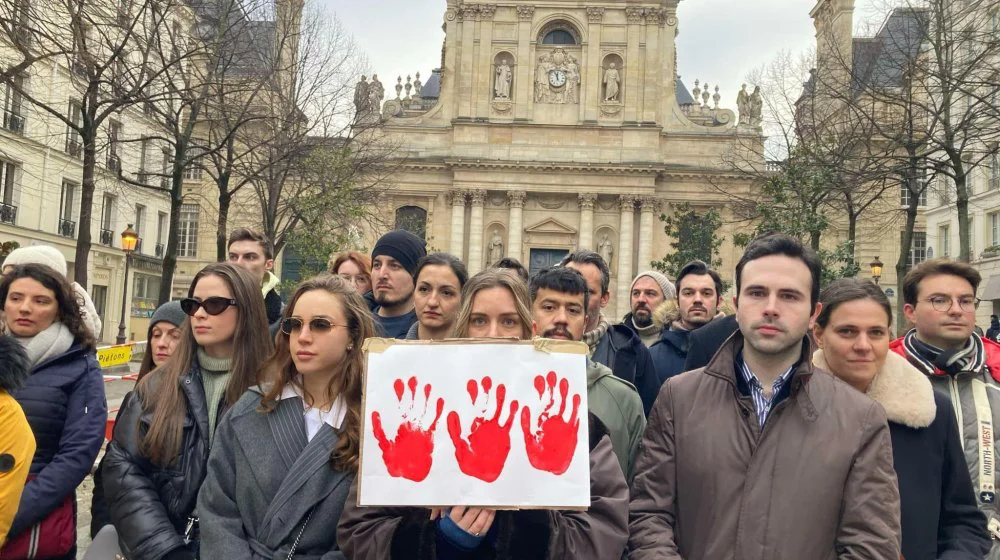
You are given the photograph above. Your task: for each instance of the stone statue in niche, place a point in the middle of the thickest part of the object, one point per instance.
(605, 249)
(501, 90)
(362, 102)
(612, 84)
(557, 78)
(496, 247)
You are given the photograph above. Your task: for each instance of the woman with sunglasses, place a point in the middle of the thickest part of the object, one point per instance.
(437, 295)
(63, 400)
(158, 455)
(938, 510)
(286, 454)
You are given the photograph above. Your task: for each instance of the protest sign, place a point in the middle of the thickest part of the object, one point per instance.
(475, 423)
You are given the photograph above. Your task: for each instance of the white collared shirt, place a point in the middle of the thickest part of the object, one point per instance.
(314, 418)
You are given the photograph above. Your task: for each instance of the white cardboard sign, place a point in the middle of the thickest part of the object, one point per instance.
(475, 423)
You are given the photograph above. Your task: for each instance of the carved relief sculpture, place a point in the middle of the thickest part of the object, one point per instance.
(557, 78)
(501, 89)
(496, 247)
(605, 249)
(612, 84)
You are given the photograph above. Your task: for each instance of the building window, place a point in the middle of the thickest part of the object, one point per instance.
(995, 229)
(188, 235)
(13, 118)
(995, 171)
(140, 224)
(74, 145)
(161, 231)
(8, 174)
(166, 164)
(904, 196)
(972, 236)
(67, 227)
(145, 157)
(413, 219)
(559, 37)
(114, 138)
(944, 189)
(192, 171)
(944, 241)
(918, 249)
(145, 293)
(107, 211)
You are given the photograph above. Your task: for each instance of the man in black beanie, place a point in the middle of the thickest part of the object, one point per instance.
(394, 260)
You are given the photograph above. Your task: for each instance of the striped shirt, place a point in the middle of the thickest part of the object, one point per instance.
(762, 404)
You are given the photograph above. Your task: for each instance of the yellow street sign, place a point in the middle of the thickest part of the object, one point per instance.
(111, 356)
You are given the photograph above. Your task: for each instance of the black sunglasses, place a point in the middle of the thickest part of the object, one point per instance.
(317, 325)
(212, 305)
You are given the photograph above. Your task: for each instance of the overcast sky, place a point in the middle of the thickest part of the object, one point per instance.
(719, 41)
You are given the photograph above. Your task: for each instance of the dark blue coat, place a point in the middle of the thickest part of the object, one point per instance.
(669, 354)
(623, 352)
(64, 402)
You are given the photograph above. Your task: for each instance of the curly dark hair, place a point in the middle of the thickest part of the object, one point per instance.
(69, 307)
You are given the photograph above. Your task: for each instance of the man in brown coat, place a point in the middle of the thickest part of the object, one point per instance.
(759, 456)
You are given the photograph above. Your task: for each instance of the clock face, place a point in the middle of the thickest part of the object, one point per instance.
(557, 78)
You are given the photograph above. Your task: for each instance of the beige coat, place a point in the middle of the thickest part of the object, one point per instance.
(816, 484)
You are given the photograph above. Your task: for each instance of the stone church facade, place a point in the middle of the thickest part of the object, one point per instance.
(554, 125)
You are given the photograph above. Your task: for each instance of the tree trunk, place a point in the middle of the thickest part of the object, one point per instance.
(83, 239)
(222, 226)
(170, 254)
(905, 245)
(962, 205)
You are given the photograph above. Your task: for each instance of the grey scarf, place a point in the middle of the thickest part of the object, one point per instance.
(53, 341)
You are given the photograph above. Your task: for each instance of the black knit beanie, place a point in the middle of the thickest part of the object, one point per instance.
(402, 246)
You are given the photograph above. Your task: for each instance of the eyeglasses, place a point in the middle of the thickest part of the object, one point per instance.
(944, 303)
(317, 325)
(213, 305)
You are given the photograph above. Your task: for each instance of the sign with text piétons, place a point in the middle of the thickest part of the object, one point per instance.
(475, 422)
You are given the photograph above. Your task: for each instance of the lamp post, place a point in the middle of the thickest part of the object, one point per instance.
(876, 266)
(129, 240)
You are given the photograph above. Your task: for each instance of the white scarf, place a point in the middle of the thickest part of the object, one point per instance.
(53, 341)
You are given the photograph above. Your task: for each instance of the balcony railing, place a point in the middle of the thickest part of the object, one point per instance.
(13, 121)
(107, 237)
(67, 228)
(8, 213)
(114, 164)
(159, 250)
(73, 147)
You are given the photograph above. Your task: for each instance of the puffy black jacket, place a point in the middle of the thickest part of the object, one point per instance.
(669, 353)
(623, 352)
(150, 504)
(63, 400)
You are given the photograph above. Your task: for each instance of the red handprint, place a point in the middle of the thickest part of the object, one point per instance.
(550, 448)
(485, 453)
(408, 455)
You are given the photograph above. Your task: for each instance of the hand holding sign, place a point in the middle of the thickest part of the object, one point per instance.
(550, 448)
(485, 453)
(408, 455)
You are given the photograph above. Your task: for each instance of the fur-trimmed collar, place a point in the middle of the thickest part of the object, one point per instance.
(904, 392)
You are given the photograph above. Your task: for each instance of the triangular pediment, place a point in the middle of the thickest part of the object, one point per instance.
(550, 225)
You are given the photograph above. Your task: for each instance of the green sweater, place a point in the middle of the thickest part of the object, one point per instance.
(215, 373)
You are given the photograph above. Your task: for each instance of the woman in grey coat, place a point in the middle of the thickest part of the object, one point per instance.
(284, 457)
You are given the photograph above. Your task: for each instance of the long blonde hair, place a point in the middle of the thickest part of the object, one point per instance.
(494, 278)
(279, 371)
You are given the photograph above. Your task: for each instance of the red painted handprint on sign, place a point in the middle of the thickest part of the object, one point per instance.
(408, 455)
(485, 453)
(550, 448)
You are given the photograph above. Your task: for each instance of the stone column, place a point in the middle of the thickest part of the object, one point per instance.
(631, 76)
(515, 199)
(648, 206)
(475, 262)
(525, 79)
(624, 252)
(590, 96)
(457, 201)
(587, 201)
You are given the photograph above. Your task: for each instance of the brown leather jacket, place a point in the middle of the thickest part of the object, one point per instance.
(817, 483)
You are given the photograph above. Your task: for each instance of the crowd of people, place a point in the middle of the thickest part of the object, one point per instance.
(787, 426)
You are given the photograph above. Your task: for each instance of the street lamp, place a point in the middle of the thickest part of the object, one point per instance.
(876, 269)
(129, 240)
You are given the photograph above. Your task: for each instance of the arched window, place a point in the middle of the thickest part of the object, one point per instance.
(559, 37)
(413, 219)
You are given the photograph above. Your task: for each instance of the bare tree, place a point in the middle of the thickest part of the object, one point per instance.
(114, 52)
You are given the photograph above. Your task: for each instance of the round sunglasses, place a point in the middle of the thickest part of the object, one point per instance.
(213, 305)
(317, 325)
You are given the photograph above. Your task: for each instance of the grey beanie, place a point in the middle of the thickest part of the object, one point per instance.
(666, 286)
(170, 312)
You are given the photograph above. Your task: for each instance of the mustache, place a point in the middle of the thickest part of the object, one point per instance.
(556, 330)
